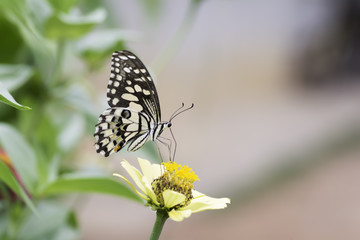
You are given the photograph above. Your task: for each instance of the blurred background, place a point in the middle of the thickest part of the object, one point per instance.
(276, 122)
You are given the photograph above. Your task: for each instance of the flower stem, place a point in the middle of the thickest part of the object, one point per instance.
(161, 217)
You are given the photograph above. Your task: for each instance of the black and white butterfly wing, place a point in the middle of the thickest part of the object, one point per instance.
(131, 85)
(134, 106)
(118, 126)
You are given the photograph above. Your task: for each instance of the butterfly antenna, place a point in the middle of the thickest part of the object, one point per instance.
(182, 105)
(177, 112)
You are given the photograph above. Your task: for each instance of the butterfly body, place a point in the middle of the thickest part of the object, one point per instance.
(134, 115)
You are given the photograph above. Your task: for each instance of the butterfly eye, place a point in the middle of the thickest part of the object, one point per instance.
(125, 114)
(169, 124)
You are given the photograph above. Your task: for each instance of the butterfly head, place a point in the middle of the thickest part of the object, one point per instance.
(162, 126)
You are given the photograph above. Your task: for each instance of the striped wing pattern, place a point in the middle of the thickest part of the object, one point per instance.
(134, 111)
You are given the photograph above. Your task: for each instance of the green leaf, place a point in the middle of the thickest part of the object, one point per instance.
(77, 97)
(72, 25)
(21, 155)
(11, 42)
(6, 97)
(13, 76)
(78, 183)
(72, 132)
(63, 5)
(54, 221)
(98, 46)
(27, 24)
(9, 179)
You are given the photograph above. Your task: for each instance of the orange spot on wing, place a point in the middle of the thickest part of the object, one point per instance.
(117, 148)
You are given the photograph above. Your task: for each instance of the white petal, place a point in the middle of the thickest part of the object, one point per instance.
(172, 198)
(151, 171)
(201, 202)
(145, 197)
(149, 191)
(178, 216)
(134, 174)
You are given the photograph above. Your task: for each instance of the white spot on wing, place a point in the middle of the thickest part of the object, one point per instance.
(116, 83)
(107, 132)
(110, 146)
(129, 89)
(126, 69)
(146, 92)
(132, 127)
(129, 97)
(135, 106)
(105, 141)
(108, 118)
(118, 77)
(113, 91)
(117, 112)
(115, 101)
(137, 88)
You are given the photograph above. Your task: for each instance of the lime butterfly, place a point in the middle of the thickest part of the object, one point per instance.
(134, 115)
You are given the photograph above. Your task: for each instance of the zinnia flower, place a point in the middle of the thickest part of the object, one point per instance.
(169, 188)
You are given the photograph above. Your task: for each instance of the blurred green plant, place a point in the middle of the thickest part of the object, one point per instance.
(46, 109)
(48, 49)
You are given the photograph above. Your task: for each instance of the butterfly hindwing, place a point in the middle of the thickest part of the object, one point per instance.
(118, 126)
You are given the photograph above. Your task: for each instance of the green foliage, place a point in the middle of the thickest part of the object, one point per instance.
(78, 183)
(69, 26)
(55, 222)
(7, 176)
(44, 38)
(6, 97)
(21, 154)
(11, 77)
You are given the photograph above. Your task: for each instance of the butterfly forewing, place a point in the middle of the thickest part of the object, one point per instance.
(134, 106)
(131, 85)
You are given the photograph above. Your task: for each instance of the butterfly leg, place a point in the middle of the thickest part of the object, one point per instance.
(168, 143)
(159, 153)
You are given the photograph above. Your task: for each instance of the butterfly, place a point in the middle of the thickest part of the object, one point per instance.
(134, 115)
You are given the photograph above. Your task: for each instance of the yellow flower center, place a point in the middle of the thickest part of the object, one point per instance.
(177, 178)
